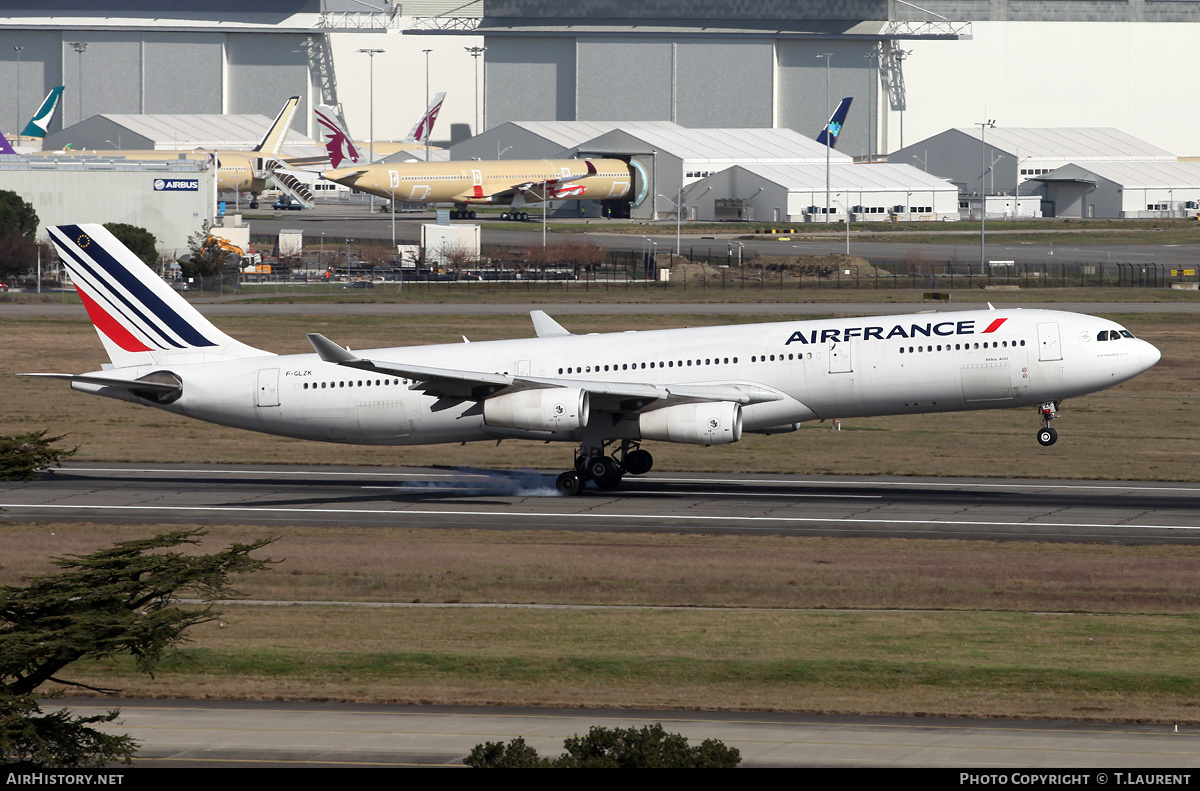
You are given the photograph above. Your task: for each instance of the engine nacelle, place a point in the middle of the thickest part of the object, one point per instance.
(545, 409)
(714, 423)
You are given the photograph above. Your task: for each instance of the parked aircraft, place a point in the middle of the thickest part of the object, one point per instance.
(515, 182)
(607, 393)
(237, 171)
(833, 129)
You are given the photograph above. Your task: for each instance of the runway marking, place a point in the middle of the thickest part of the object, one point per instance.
(999, 484)
(468, 487)
(593, 516)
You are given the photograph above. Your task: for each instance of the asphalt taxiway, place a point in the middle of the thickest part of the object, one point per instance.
(194, 733)
(439, 498)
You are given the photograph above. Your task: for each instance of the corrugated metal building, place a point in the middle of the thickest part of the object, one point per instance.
(1123, 189)
(1008, 157)
(542, 139)
(797, 193)
(668, 160)
(169, 132)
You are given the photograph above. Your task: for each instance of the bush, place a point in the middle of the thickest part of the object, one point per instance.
(650, 747)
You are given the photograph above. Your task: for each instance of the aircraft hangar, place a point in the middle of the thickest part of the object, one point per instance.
(666, 160)
(796, 192)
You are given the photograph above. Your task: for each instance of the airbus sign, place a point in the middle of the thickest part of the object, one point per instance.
(176, 185)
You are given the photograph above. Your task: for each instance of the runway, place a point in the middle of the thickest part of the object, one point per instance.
(437, 498)
(184, 733)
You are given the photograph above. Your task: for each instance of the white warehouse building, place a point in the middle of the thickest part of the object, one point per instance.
(1006, 157)
(1123, 189)
(797, 193)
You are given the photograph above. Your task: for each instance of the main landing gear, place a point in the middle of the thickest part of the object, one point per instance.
(1048, 436)
(465, 214)
(591, 464)
(522, 216)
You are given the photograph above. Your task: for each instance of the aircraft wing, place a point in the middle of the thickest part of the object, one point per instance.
(559, 187)
(454, 386)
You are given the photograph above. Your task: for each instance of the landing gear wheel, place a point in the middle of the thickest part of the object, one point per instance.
(1047, 437)
(470, 215)
(569, 483)
(605, 471)
(638, 462)
(504, 216)
(524, 216)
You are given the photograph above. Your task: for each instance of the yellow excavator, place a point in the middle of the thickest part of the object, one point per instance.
(250, 263)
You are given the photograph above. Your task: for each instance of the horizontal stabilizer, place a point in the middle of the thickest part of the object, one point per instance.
(160, 386)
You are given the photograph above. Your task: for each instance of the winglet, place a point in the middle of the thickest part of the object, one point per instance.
(546, 327)
(329, 351)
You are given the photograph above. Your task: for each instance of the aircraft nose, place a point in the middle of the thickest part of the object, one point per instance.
(1150, 355)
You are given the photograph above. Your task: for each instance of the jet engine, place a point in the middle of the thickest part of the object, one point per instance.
(714, 423)
(546, 409)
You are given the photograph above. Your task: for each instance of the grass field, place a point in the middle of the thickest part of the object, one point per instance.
(805, 624)
(796, 624)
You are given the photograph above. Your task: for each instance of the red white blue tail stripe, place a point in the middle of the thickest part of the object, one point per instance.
(138, 316)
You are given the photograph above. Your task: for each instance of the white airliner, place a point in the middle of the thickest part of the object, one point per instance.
(607, 393)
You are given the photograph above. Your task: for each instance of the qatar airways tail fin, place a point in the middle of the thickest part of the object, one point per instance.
(140, 319)
(834, 128)
(423, 128)
(40, 122)
(337, 139)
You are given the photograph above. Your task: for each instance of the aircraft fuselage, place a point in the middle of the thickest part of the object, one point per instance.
(822, 369)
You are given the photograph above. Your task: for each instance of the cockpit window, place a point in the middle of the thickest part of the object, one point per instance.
(1126, 333)
(1102, 335)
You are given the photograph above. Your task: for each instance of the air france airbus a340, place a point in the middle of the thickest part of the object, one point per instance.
(607, 393)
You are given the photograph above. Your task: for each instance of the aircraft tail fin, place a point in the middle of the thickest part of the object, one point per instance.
(273, 139)
(5, 146)
(139, 318)
(423, 128)
(833, 129)
(337, 139)
(40, 122)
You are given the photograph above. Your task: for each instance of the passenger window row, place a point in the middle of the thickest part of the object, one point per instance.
(587, 369)
(961, 346)
(352, 383)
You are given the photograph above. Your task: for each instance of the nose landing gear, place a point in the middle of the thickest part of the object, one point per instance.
(591, 464)
(1048, 436)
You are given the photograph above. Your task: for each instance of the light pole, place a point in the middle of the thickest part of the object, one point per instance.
(828, 138)
(983, 127)
(371, 53)
(17, 129)
(475, 53)
(678, 215)
(427, 51)
(80, 47)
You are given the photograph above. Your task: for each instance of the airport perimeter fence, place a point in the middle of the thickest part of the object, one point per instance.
(626, 271)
